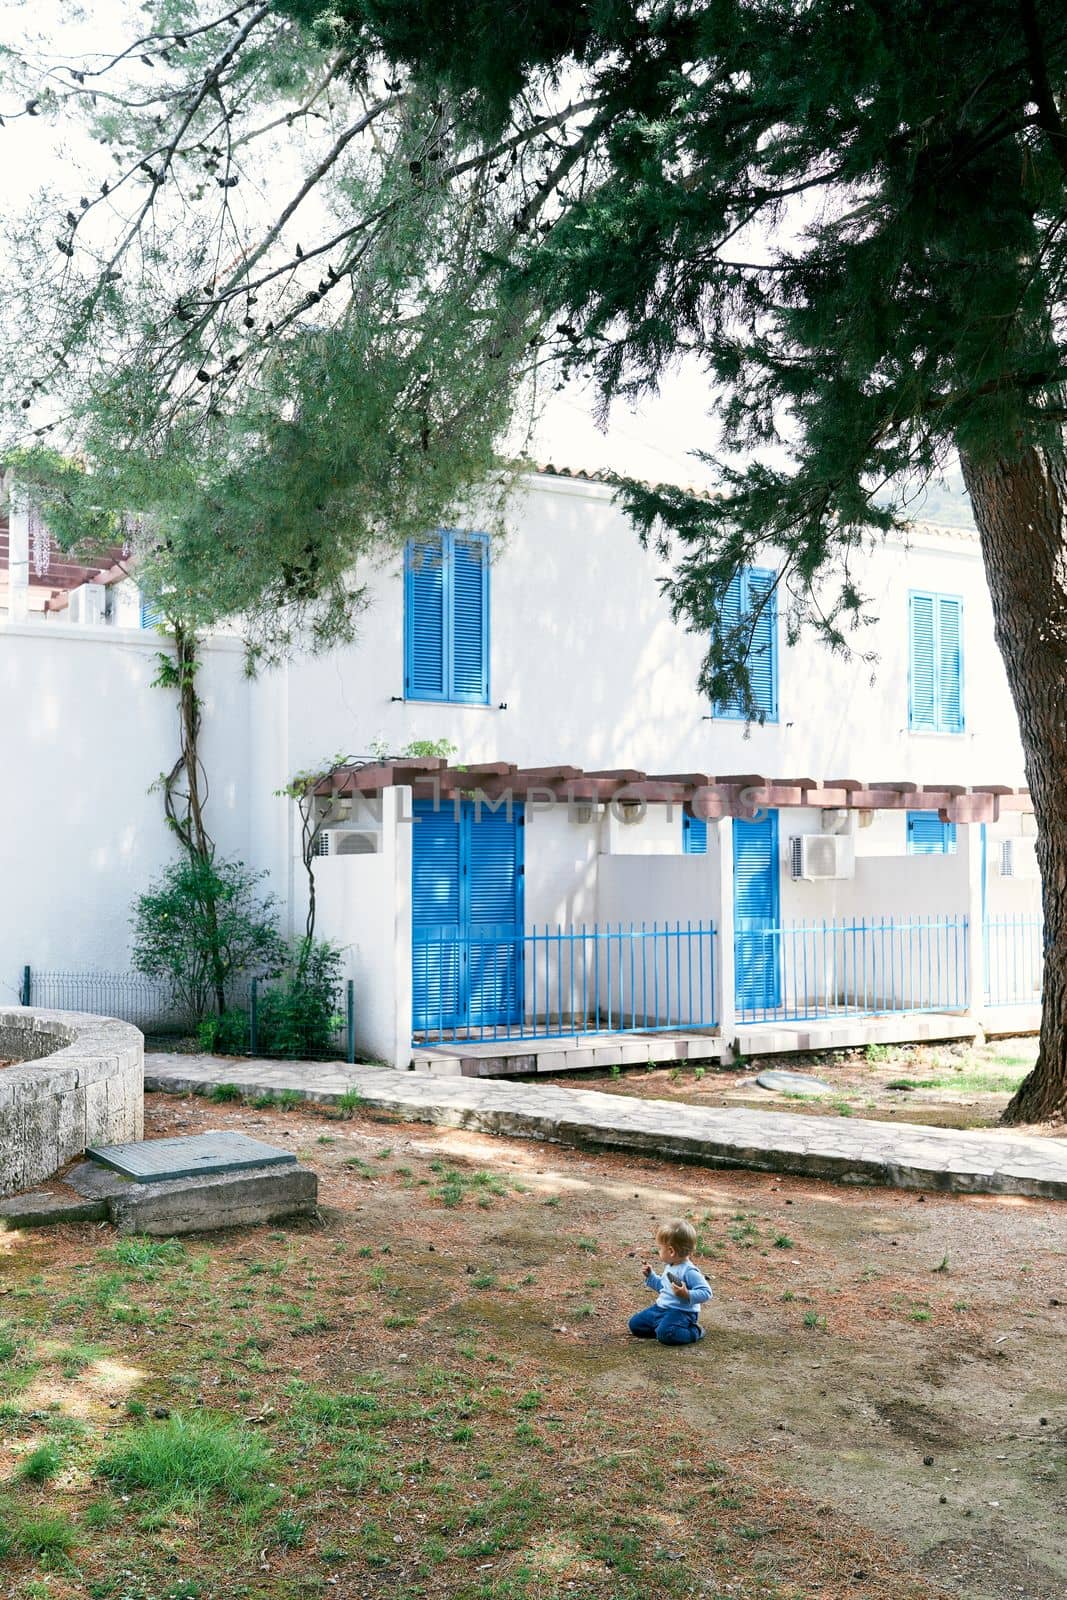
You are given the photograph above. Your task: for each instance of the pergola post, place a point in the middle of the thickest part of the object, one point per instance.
(397, 826)
(971, 848)
(722, 832)
(18, 571)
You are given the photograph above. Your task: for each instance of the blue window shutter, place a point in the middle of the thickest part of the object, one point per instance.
(425, 632)
(922, 685)
(935, 663)
(929, 836)
(730, 615)
(470, 616)
(763, 654)
(743, 598)
(151, 614)
(950, 663)
(694, 835)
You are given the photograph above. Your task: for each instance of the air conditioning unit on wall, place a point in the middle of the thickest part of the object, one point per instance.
(347, 841)
(1018, 859)
(817, 856)
(87, 604)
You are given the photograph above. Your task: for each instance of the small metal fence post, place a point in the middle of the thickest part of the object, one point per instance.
(253, 1018)
(350, 1020)
(24, 993)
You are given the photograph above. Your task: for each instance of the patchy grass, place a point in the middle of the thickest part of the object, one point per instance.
(426, 1400)
(947, 1085)
(199, 1454)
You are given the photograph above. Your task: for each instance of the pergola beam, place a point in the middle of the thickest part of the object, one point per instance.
(731, 794)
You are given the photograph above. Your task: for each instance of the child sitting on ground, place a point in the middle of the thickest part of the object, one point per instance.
(682, 1289)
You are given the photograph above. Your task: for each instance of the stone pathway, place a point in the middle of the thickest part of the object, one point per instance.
(903, 1155)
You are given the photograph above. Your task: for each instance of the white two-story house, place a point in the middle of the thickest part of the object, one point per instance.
(601, 859)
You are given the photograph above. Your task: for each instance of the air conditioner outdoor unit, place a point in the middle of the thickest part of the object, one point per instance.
(87, 604)
(347, 841)
(1018, 859)
(814, 856)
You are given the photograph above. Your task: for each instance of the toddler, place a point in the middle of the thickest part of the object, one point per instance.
(682, 1289)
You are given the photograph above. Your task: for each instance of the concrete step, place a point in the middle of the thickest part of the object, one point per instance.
(44, 1210)
(578, 1053)
(236, 1199)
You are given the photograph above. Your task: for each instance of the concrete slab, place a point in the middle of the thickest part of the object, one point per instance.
(45, 1210)
(221, 1200)
(787, 1082)
(575, 1053)
(986, 1161)
(160, 1160)
(839, 1032)
(184, 1205)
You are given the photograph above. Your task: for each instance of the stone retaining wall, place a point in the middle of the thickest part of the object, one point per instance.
(78, 1080)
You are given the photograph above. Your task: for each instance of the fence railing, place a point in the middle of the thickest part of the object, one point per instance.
(861, 966)
(566, 982)
(129, 996)
(1014, 960)
(150, 1006)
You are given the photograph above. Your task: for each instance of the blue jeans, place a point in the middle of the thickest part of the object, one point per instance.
(666, 1325)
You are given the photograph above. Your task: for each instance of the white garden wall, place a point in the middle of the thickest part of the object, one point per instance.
(364, 906)
(84, 737)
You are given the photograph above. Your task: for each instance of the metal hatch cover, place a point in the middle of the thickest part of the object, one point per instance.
(196, 1156)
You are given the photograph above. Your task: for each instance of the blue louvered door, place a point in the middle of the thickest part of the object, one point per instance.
(436, 920)
(757, 957)
(467, 908)
(494, 917)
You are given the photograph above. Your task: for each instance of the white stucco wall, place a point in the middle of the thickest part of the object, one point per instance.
(594, 672)
(364, 906)
(84, 736)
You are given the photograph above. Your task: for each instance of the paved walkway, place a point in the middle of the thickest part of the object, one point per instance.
(903, 1155)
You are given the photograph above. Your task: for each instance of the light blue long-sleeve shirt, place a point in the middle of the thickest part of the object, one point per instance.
(683, 1272)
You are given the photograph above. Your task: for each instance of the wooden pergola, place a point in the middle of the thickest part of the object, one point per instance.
(734, 794)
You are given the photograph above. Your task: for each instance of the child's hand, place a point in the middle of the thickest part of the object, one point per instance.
(646, 1268)
(679, 1288)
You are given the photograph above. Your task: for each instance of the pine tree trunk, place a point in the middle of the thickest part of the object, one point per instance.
(1020, 507)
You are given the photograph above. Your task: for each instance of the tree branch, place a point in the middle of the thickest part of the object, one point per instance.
(1048, 114)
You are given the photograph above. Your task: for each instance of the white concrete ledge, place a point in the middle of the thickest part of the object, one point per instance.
(76, 1080)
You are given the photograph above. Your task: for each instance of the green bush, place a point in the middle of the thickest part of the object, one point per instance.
(227, 1035)
(299, 1016)
(202, 925)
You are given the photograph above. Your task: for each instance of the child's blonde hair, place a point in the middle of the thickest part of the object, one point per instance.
(679, 1234)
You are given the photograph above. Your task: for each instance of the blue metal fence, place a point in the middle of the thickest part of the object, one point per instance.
(865, 966)
(1014, 960)
(561, 982)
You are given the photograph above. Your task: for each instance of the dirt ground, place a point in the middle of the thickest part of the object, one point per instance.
(880, 1388)
(944, 1085)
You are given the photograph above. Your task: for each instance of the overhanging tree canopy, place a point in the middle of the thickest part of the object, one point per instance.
(255, 339)
(855, 216)
(852, 215)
